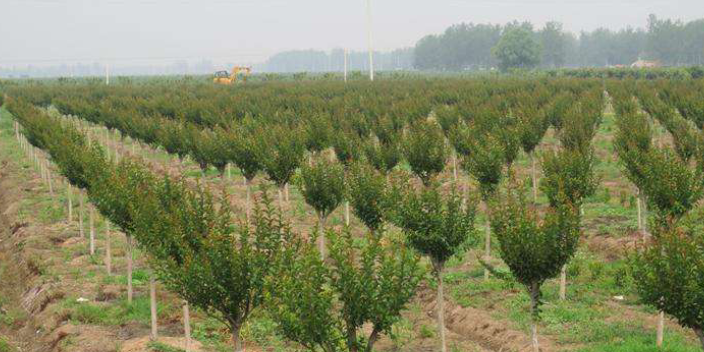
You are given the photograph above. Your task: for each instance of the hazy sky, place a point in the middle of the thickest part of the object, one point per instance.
(130, 31)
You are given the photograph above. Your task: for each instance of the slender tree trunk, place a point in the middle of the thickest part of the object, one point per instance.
(347, 212)
(640, 218)
(108, 251)
(236, 339)
(129, 269)
(286, 189)
(321, 235)
(660, 336)
(644, 211)
(248, 204)
(152, 305)
(372, 339)
(534, 177)
(229, 172)
(441, 308)
(454, 165)
(51, 183)
(487, 243)
(563, 282)
(700, 335)
(91, 224)
(534, 297)
(81, 206)
(187, 326)
(281, 199)
(70, 201)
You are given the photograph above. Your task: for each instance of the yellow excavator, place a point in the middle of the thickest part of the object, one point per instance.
(224, 77)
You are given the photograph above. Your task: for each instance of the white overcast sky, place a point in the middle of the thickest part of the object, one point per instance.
(56, 31)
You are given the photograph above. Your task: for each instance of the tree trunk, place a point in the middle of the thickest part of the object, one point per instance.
(281, 199)
(661, 329)
(534, 300)
(372, 339)
(286, 188)
(321, 235)
(108, 252)
(534, 177)
(187, 326)
(152, 305)
(454, 166)
(487, 244)
(441, 308)
(229, 172)
(563, 282)
(91, 224)
(129, 269)
(51, 183)
(248, 206)
(80, 213)
(700, 335)
(70, 201)
(237, 341)
(347, 212)
(640, 218)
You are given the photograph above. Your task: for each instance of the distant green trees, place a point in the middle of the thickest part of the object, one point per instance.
(517, 49)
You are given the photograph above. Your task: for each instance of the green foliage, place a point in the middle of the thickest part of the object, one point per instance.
(424, 149)
(322, 186)
(485, 163)
(532, 126)
(435, 225)
(384, 157)
(366, 192)
(348, 148)
(568, 175)
(243, 152)
(281, 152)
(318, 133)
(325, 305)
(517, 49)
(669, 275)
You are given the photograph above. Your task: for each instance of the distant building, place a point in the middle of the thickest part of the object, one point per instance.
(645, 64)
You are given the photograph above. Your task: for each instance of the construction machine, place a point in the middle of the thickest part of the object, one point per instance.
(224, 77)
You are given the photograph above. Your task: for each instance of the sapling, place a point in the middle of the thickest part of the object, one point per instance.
(437, 226)
(242, 151)
(485, 164)
(327, 305)
(323, 188)
(532, 127)
(383, 156)
(535, 250)
(424, 149)
(280, 151)
(366, 190)
(347, 147)
(318, 134)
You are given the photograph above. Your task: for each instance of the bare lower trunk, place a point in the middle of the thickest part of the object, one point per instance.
(454, 166)
(372, 339)
(237, 340)
(152, 306)
(281, 199)
(187, 326)
(51, 183)
(644, 211)
(321, 235)
(534, 300)
(80, 213)
(70, 201)
(487, 245)
(441, 309)
(108, 251)
(347, 213)
(129, 270)
(248, 204)
(286, 189)
(661, 329)
(229, 172)
(700, 335)
(563, 282)
(640, 218)
(91, 224)
(534, 178)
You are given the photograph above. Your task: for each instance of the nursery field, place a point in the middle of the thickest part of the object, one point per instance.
(405, 214)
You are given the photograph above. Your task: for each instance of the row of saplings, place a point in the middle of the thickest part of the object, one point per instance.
(319, 299)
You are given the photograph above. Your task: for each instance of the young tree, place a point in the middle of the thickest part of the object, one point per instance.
(323, 187)
(324, 305)
(424, 149)
(437, 226)
(280, 151)
(532, 125)
(535, 251)
(366, 190)
(669, 275)
(318, 134)
(383, 156)
(242, 150)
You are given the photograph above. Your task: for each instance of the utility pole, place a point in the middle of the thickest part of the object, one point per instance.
(345, 67)
(107, 74)
(369, 37)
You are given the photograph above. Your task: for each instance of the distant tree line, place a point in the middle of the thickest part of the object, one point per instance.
(482, 46)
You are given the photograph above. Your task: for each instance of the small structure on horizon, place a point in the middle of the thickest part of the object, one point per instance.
(645, 64)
